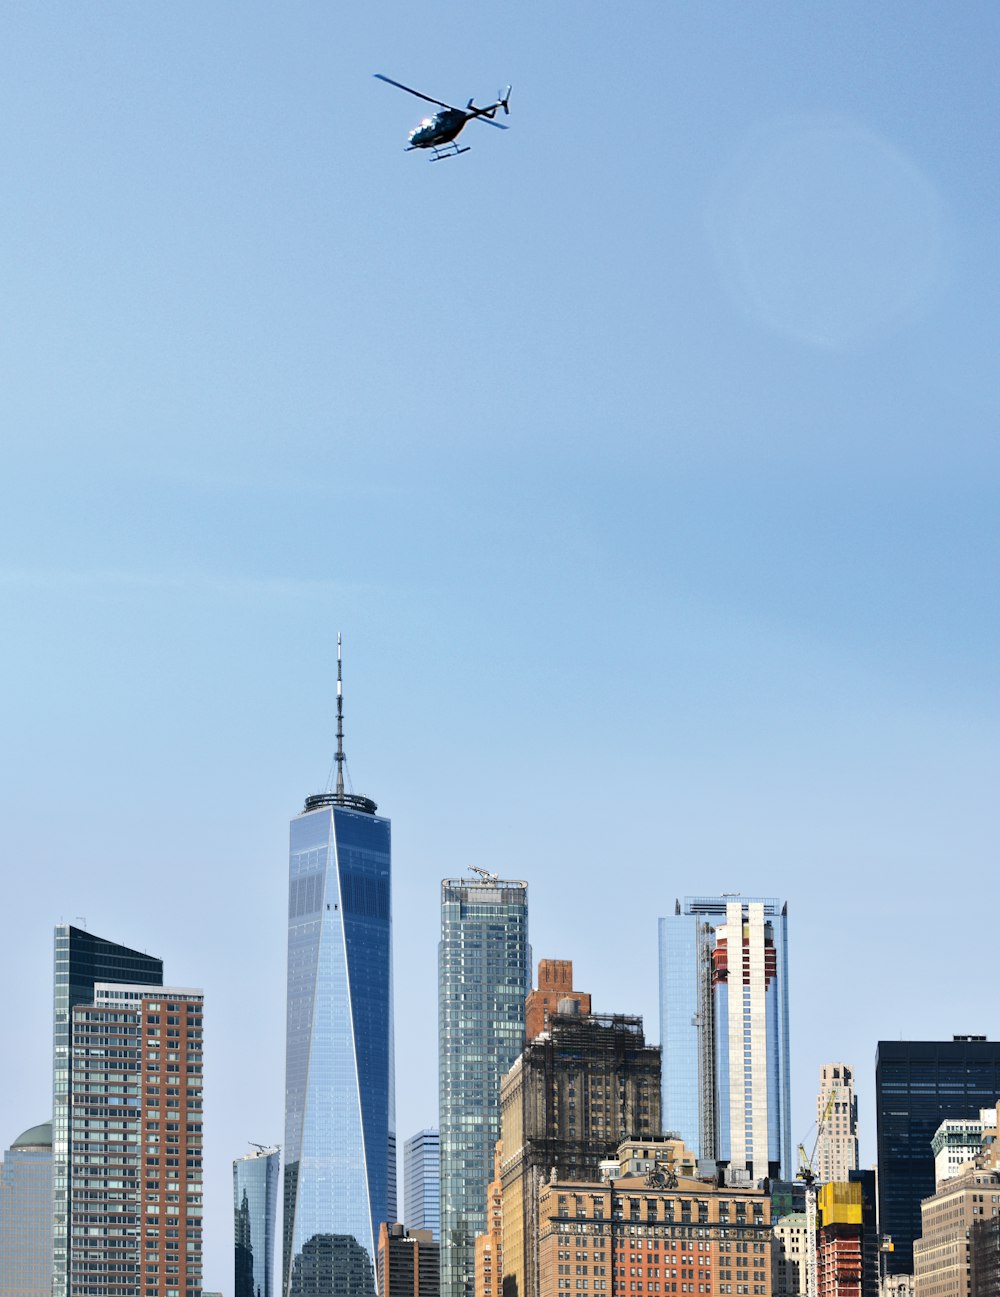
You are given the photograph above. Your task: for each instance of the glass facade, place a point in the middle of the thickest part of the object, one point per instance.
(340, 1151)
(26, 1215)
(255, 1206)
(484, 974)
(422, 1182)
(919, 1084)
(81, 961)
(724, 1032)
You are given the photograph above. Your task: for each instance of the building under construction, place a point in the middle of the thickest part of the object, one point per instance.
(584, 1083)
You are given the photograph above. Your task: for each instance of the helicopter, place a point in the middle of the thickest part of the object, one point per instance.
(439, 132)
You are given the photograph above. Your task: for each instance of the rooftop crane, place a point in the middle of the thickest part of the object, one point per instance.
(808, 1176)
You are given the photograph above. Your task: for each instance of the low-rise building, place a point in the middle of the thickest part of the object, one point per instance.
(408, 1262)
(789, 1250)
(489, 1246)
(653, 1234)
(941, 1256)
(956, 1143)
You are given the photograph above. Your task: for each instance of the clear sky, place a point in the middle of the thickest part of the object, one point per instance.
(646, 457)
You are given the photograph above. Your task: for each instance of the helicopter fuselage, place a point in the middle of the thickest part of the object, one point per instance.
(442, 128)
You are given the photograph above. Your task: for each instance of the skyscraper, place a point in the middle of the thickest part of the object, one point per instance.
(837, 1144)
(724, 1031)
(918, 1083)
(422, 1182)
(582, 1084)
(26, 1215)
(484, 973)
(340, 1144)
(81, 961)
(255, 1206)
(136, 1143)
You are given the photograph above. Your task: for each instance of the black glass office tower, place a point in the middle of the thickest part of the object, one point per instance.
(917, 1085)
(81, 961)
(340, 1143)
(255, 1206)
(484, 974)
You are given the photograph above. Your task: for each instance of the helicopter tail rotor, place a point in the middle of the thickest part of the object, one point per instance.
(505, 101)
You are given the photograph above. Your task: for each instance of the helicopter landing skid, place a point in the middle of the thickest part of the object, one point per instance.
(449, 152)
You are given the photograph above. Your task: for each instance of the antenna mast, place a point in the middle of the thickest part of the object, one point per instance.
(338, 796)
(340, 723)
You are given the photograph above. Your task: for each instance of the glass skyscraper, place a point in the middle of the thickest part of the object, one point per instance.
(340, 1141)
(484, 974)
(724, 1032)
(26, 1215)
(255, 1206)
(918, 1084)
(422, 1182)
(81, 961)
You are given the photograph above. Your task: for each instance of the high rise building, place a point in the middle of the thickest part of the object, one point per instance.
(484, 974)
(135, 1138)
(340, 1143)
(26, 1215)
(255, 1206)
(81, 961)
(724, 1031)
(408, 1262)
(837, 1145)
(581, 1086)
(917, 1085)
(422, 1182)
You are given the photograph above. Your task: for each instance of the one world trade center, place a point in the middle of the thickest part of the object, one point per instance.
(340, 1141)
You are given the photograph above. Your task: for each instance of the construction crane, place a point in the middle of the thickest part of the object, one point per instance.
(484, 874)
(808, 1176)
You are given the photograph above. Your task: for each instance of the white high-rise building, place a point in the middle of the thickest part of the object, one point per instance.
(837, 1146)
(724, 1031)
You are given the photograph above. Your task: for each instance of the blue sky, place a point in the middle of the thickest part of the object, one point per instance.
(646, 457)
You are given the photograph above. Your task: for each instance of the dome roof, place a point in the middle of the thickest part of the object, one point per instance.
(35, 1137)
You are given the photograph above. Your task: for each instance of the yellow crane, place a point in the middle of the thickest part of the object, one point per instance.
(808, 1176)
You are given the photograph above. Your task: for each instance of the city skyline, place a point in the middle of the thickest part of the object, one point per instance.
(651, 474)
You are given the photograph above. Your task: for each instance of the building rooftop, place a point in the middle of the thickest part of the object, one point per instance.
(35, 1137)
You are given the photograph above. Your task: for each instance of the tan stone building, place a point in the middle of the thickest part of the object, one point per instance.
(654, 1234)
(582, 1085)
(837, 1144)
(941, 1261)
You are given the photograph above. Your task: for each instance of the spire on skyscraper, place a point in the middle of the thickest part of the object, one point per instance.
(340, 723)
(338, 795)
